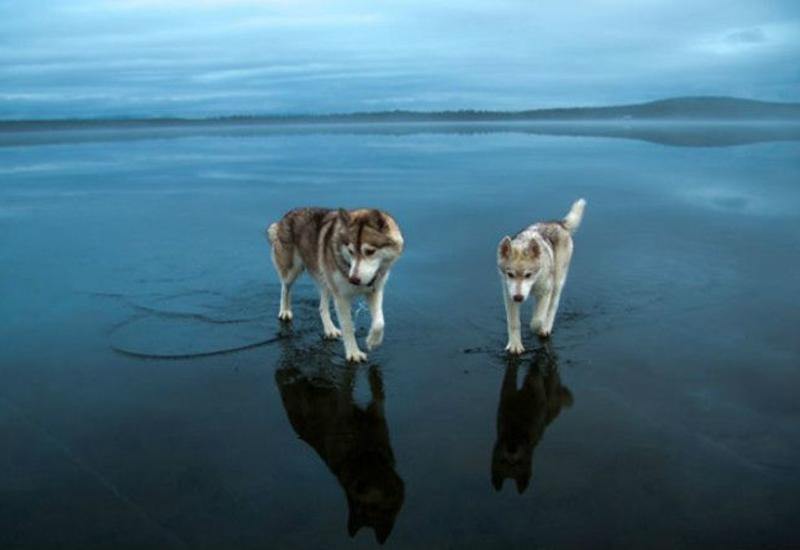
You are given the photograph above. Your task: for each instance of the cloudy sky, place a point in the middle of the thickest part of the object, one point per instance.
(95, 58)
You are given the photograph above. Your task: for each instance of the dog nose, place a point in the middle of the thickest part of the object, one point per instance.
(518, 297)
(355, 280)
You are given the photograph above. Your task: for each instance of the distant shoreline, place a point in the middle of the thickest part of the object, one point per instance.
(691, 133)
(694, 110)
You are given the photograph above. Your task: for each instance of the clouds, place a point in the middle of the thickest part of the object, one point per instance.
(753, 35)
(62, 58)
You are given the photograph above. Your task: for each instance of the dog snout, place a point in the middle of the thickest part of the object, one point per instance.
(355, 279)
(518, 297)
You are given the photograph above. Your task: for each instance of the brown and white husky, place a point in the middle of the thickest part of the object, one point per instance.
(536, 259)
(348, 253)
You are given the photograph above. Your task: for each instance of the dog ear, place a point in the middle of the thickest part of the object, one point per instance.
(505, 247)
(535, 249)
(353, 524)
(377, 219)
(497, 480)
(382, 530)
(344, 215)
(522, 483)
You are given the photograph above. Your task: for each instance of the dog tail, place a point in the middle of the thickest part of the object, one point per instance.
(573, 220)
(272, 232)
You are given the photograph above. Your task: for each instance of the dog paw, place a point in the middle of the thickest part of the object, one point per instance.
(515, 348)
(356, 356)
(332, 333)
(544, 333)
(374, 338)
(285, 315)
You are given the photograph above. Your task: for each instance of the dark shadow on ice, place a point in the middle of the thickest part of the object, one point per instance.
(524, 413)
(353, 441)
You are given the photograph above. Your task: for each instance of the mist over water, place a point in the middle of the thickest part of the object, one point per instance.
(150, 397)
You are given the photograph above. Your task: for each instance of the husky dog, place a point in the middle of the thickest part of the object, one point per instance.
(523, 415)
(348, 253)
(353, 441)
(537, 258)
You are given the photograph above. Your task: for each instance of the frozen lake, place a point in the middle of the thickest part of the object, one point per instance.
(149, 396)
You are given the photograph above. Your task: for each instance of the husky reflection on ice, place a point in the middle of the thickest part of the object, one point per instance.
(353, 441)
(524, 414)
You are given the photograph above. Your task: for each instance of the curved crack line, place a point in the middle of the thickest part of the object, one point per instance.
(174, 314)
(172, 356)
(197, 316)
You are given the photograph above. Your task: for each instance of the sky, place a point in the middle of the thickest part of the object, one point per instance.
(194, 58)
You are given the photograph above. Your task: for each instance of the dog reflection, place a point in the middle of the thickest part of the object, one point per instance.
(353, 441)
(523, 415)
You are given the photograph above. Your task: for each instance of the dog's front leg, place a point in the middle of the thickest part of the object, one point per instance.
(547, 328)
(512, 322)
(375, 302)
(344, 313)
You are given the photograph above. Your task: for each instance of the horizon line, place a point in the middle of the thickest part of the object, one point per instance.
(395, 112)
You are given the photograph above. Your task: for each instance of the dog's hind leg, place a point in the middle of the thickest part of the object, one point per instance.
(285, 313)
(547, 328)
(288, 265)
(331, 332)
(540, 310)
(558, 286)
(563, 256)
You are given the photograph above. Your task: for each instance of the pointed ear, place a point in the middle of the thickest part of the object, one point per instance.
(344, 215)
(497, 481)
(377, 218)
(382, 531)
(535, 249)
(522, 484)
(504, 249)
(352, 525)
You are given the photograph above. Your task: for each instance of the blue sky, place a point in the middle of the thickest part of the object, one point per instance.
(94, 58)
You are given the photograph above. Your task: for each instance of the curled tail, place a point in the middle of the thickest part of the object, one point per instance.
(573, 220)
(272, 232)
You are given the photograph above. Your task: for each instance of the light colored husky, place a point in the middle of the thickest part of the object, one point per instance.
(348, 253)
(537, 259)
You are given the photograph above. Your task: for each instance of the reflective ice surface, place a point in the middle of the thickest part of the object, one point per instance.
(149, 396)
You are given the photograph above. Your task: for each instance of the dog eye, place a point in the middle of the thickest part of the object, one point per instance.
(369, 252)
(511, 275)
(528, 275)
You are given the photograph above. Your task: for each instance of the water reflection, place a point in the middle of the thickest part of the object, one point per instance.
(352, 440)
(675, 133)
(523, 415)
